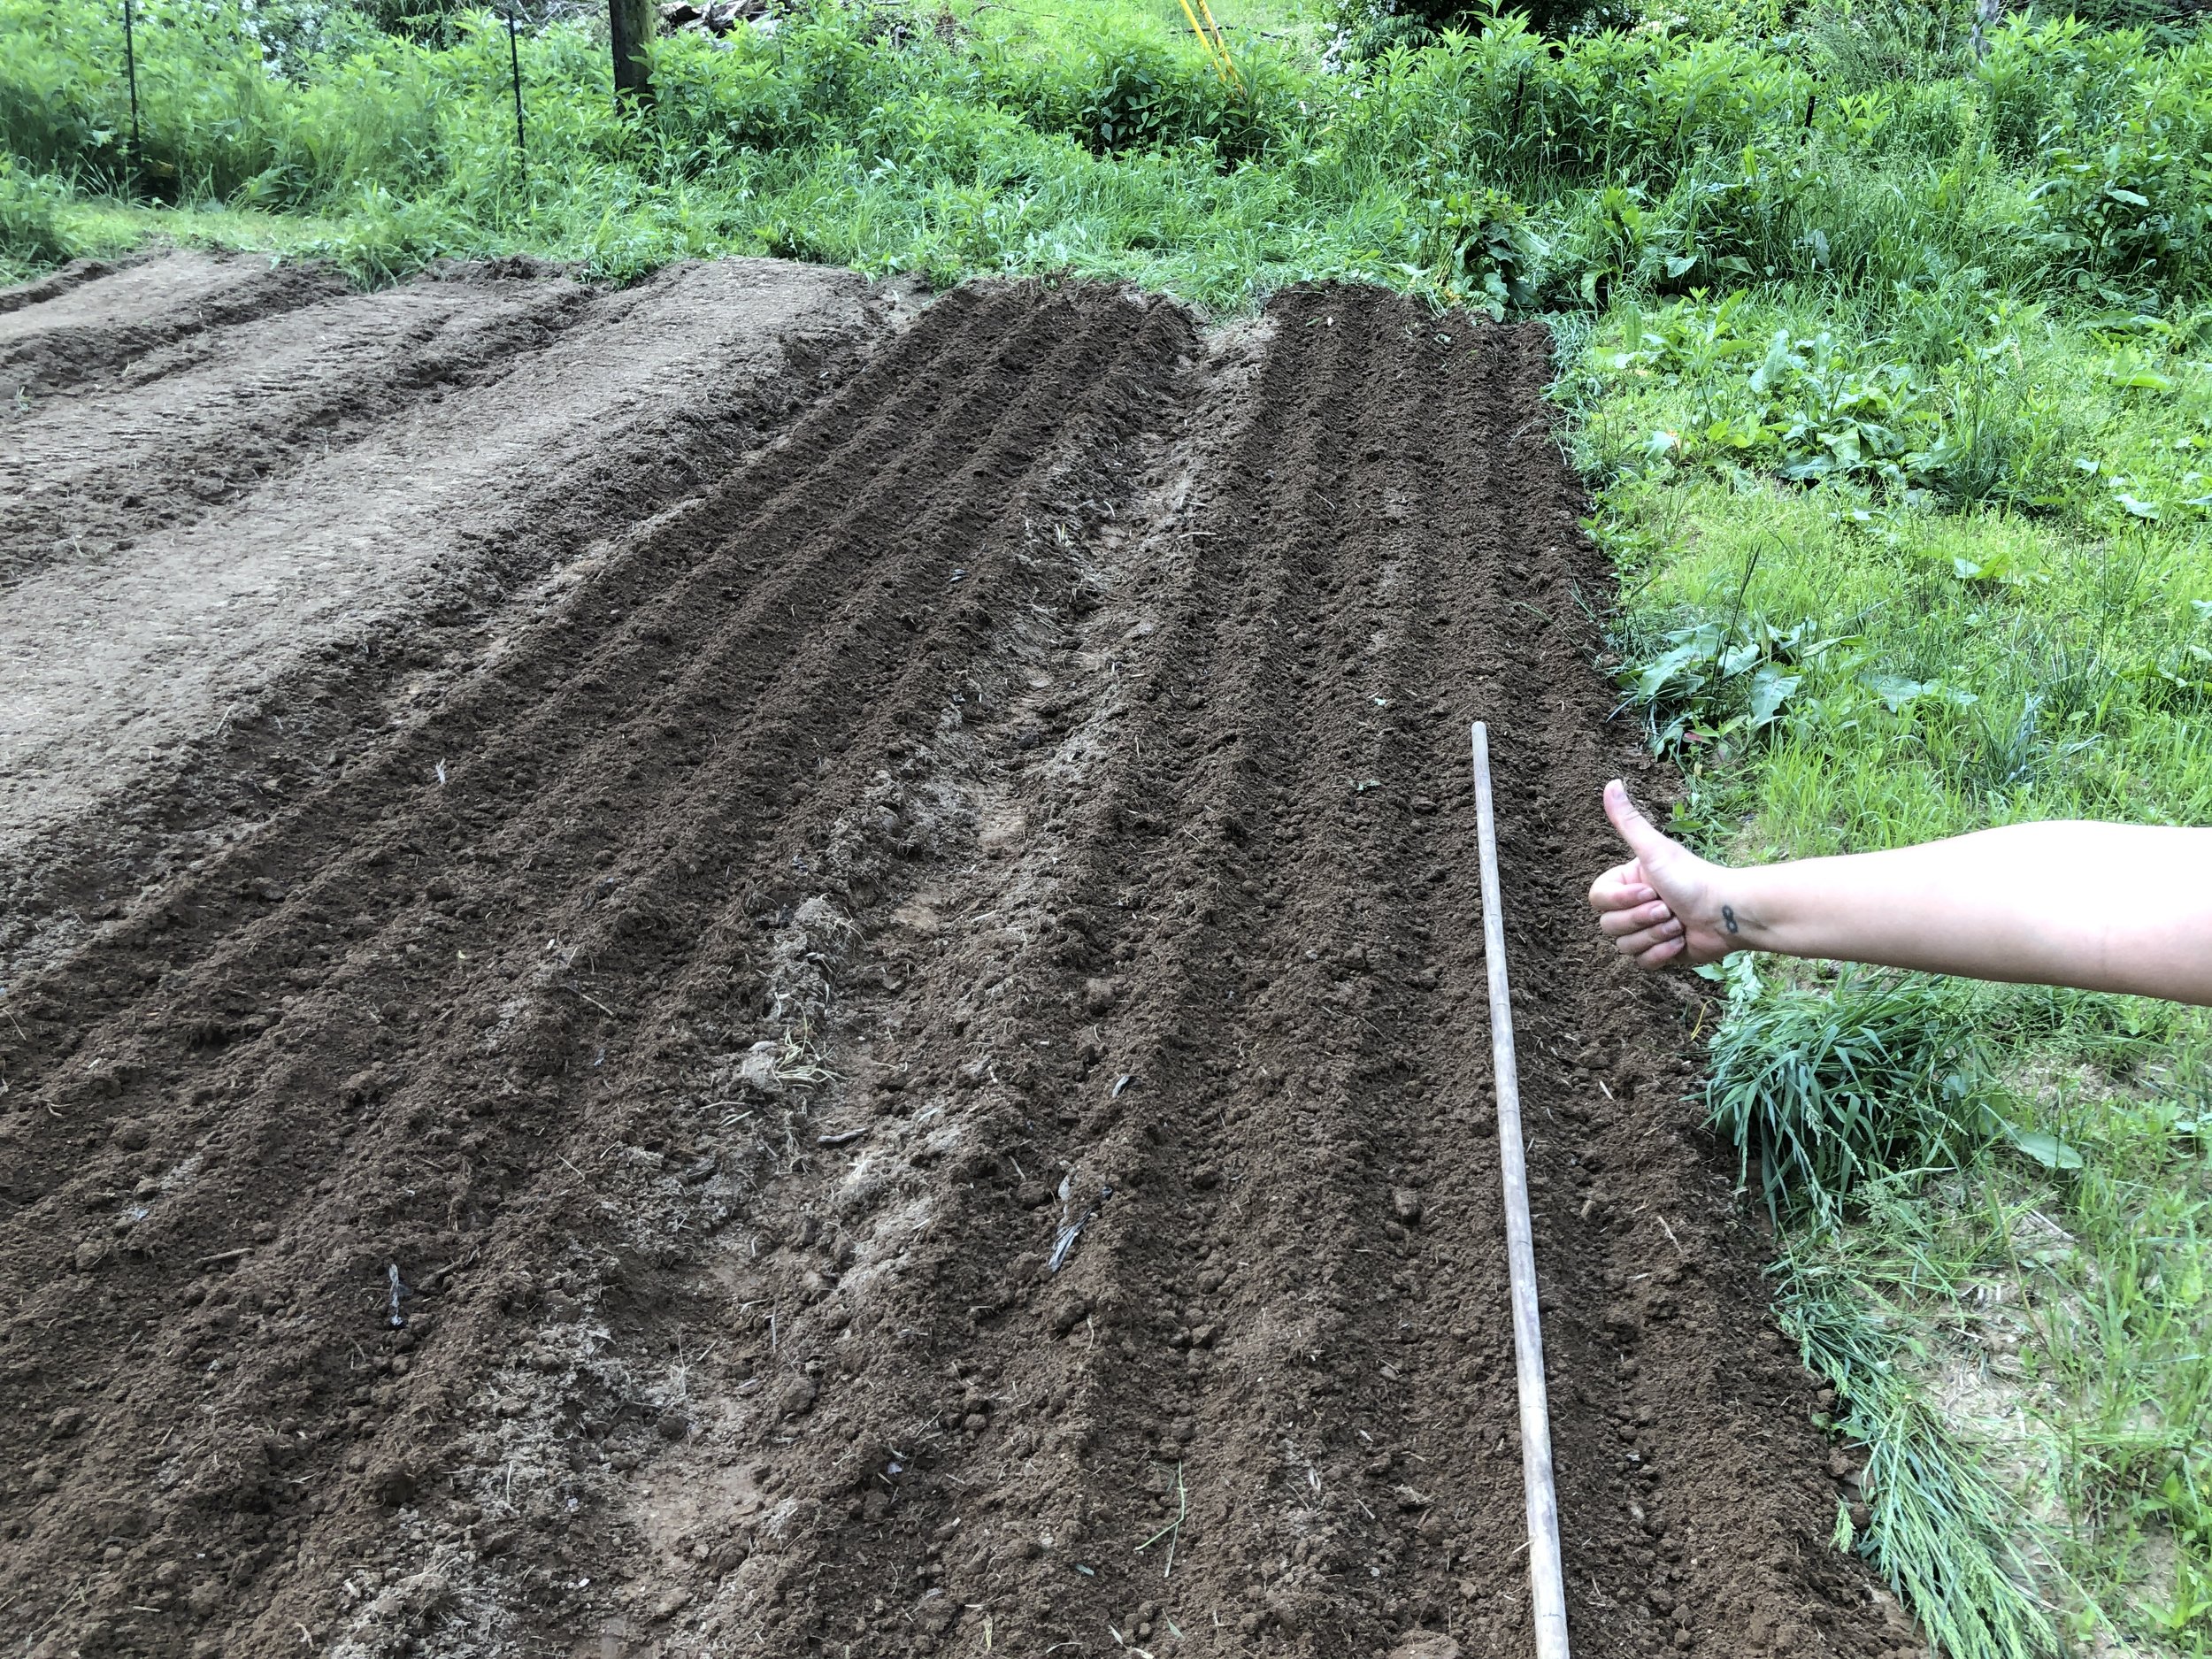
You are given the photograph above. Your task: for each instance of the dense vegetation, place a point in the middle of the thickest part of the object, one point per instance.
(1885, 347)
(1497, 166)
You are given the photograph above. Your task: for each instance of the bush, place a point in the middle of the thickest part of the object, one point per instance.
(2133, 211)
(1371, 38)
(1865, 45)
(1476, 245)
(30, 233)
(1537, 119)
(1134, 93)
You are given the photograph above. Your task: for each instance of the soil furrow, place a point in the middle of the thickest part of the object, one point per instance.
(275, 666)
(894, 1061)
(1000, 463)
(230, 969)
(963, 1438)
(228, 909)
(164, 445)
(1249, 1320)
(107, 316)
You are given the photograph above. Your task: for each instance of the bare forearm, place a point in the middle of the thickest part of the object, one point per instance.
(2108, 907)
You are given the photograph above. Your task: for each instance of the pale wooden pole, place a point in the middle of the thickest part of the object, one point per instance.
(1547, 1589)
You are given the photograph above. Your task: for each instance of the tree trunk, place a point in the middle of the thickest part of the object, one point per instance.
(1985, 15)
(630, 23)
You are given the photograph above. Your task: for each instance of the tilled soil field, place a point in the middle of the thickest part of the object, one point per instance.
(877, 1044)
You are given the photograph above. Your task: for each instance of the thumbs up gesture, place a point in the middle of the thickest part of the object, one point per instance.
(1664, 905)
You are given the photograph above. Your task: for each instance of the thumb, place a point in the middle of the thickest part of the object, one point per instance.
(1652, 849)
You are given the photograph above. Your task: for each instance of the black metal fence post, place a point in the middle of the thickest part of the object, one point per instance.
(130, 71)
(514, 61)
(630, 24)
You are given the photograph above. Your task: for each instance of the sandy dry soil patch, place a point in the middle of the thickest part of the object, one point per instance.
(257, 494)
(853, 1024)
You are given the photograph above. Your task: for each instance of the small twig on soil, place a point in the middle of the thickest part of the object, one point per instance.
(1174, 1530)
(1678, 1251)
(238, 1255)
(844, 1140)
(595, 1003)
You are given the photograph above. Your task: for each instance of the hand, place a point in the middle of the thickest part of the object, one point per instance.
(1664, 905)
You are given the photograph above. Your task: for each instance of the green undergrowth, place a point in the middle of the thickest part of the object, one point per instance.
(1997, 1203)
(1494, 166)
(1889, 362)
(1897, 565)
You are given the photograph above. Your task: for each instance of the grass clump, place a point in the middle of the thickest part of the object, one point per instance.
(1942, 1529)
(1822, 1089)
(31, 223)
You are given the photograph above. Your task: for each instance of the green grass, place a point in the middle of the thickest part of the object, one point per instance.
(1825, 1087)
(1891, 370)
(1870, 1307)
(2041, 648)
(1998, 1202)
(106, 226)
(2031, 1330)
(1996, 1198)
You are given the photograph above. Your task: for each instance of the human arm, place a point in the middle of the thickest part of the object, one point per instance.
(2102, 907)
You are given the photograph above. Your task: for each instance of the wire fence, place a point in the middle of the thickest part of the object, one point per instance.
(509, 11)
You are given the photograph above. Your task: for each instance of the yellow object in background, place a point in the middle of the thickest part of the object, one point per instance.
(1208, 34)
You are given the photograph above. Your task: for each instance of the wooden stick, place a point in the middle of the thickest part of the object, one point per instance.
(1547, 1591)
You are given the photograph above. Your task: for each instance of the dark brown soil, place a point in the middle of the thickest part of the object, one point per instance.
(1034, 789)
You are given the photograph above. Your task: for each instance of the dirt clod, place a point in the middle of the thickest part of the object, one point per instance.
(794, 1396)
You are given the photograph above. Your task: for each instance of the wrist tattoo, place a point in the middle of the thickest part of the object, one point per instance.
(1728, 918)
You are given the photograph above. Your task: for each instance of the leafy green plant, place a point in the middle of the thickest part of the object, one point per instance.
(1370, 37)
(1714, 681)
(1475, 243)
(30, 233)
(2129, 210)
(1128, 104)
(1370, 23)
